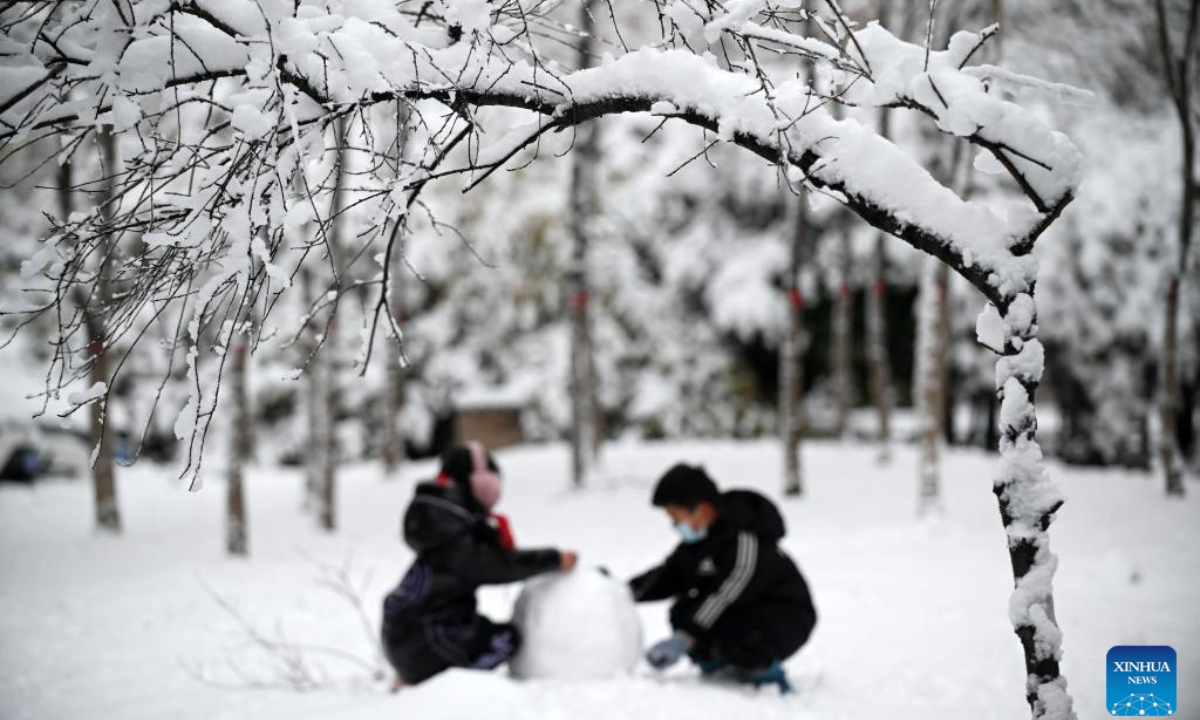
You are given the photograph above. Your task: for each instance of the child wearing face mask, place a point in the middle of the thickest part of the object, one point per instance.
(430, 621)
(741, 606)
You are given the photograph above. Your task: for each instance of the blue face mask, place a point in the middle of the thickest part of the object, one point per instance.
(689, 533)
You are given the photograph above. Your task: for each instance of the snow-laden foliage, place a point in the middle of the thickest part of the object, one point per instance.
(1104, 277)
(229, 114)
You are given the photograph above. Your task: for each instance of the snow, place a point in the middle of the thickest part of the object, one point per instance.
(989, 328)
(913, 614)
(250, 121)
(560, 614)
(90, 395)
(512, 396)
(963, 107)
(148, 63)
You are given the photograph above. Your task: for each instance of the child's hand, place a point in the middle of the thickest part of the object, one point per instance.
(665, 653)
(567, 560)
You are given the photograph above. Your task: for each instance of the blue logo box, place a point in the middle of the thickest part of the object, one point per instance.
(1141, 681)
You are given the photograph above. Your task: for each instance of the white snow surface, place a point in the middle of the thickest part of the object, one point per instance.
(914, 615)
(576, 626)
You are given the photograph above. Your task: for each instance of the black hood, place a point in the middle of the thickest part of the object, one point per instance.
(438, 514)
(748, 510)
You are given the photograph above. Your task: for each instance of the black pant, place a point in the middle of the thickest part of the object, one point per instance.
(753, 637)
(420, 648)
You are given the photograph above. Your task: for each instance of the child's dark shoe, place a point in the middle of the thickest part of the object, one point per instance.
(771, 675)
(711, 666)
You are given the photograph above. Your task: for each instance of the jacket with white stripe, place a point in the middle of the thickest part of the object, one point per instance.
(738, 566)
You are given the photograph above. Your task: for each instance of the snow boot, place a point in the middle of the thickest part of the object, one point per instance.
(711, 666)
(770, 675)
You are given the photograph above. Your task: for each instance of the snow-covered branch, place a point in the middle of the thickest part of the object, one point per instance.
(225, 109)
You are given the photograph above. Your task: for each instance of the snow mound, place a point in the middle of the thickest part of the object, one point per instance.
(578, 625)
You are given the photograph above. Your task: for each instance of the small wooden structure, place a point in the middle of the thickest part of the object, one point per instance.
(492, 416)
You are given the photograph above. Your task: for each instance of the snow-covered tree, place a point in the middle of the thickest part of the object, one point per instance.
(584, 432)
(1180, 70)
(280, 74)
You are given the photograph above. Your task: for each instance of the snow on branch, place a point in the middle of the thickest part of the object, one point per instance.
(227, 114)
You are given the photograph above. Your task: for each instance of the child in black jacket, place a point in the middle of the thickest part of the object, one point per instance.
(741, 605)
(430, 621)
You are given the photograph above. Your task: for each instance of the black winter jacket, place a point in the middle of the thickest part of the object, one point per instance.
(737, 566)
(457, 551)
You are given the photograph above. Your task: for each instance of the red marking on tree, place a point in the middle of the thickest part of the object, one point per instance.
(795, 299)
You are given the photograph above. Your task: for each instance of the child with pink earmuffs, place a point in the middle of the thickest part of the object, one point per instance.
(430, 620)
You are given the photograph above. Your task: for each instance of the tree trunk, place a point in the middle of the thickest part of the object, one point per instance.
(946, 367)
(1168, 435)
(843, 309)
(1180, 78)
(933, 326)
(236, 528)
(330, 357)
(393, 432)
(108, 516)
(791, 375)
(330, 401)
(583, 436)
(1028, 500)
(313, 407)
(934, 353)
(394, 452)
(877, 350)
(394, 379)
(925, 388)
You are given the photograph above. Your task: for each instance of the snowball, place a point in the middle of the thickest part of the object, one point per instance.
(578, 625)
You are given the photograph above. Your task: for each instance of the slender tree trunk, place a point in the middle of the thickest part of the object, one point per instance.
(331, 402)
(584, 438)
(930, 382)
(395, 378)
(330, 357)
(393, 432)
(314, 417)
(1169, 393)
(791, 375)
(394, 452)
(877, 348)
(945, 409)
(925, 388)
(237, 531)
(843, 309)
(934, 354)
(1180, 78)
(108, 516)
(1028, 500)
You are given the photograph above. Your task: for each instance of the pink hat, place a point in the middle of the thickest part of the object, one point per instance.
(485, 484)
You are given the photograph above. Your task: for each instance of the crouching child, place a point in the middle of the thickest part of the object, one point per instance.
(430, 622)
(741, 606)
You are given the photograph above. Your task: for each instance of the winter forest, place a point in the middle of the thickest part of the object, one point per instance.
(816, 359)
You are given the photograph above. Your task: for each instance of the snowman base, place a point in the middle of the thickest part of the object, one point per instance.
(577, 625)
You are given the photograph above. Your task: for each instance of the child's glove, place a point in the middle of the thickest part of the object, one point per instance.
(665, 653)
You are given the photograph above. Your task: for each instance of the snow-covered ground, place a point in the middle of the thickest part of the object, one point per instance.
(913, 614)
